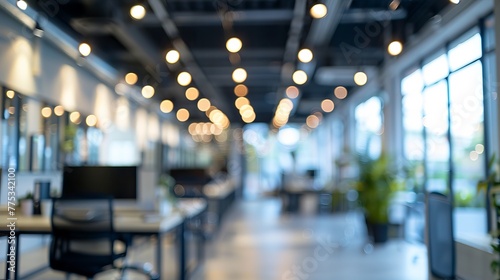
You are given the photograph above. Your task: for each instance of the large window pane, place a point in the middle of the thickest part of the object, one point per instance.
(465, 52)
(467, 136)
(435, 70)
(411, 87)
(437, 144)
(369, 127)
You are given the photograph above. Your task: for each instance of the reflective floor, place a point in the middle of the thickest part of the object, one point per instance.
(257, 241)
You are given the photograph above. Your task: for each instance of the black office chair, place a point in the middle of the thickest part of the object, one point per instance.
(83, 238)
(441, 247)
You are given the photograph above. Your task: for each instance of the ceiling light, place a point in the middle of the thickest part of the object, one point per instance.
(312, 121)
(84, 49)
(340, 92)
(240, 101)
(305, 55)
(91, 120)
(21, 4)
(166, 106)
(318, 11)
(46, 112)
(192, 93)
(327, 105)
(74, 117)
(239, 75)
(59, 110)
(394, 5)
(249, 119)
(148, 91)
(240, 90)
(184, 78)
(292, 92)
(38, 30)
(299, 77)
(10, 94)
(203, 104)
(455, 1)
(172, 56)
(360, 78)
(234, 45)
(182, 115)
(131, 78)
(395, 48)
(137, 12)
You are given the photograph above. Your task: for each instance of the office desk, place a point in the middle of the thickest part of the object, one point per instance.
(127, 222)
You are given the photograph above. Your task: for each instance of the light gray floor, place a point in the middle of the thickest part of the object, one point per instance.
(257, 241)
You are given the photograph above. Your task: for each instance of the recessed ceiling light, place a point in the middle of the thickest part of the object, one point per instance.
(148, 91)
(318, 11)
(74, 117)
(84, 49)
(203, 104)
(395, 48)
(172, 56)
(312, 121)
(327, 105)
(137, 12)
(340, 92)
(182, 115)
(360, 78)
(46, 112)
(21, 4)
(192, 93)
(91, 120)
(166, 106)
(131, 78)
(292, 92)
(234, 45)
(184, 78)
(305, 55)
(240, 90)
(299, 77)
(455, 1)
(239, 75)
(59, 110)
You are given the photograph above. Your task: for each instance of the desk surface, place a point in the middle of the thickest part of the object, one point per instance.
(125, 221)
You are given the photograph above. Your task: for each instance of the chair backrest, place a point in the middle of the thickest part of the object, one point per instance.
(441, 248)
(82, 235)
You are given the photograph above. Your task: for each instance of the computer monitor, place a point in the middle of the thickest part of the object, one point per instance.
(117, 181)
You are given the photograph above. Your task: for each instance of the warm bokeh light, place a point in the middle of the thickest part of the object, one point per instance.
(192, 93)
(21, 4)
(91, 120)
(239, 75)
(454, 1)
(479, 148)
(131, 78)
(184, 78)
(327, 105)
(395, 48)
(182, 115)
(74, 117)
(292, 92)
(340, 92)
(240, 101)
(305, 55)
(249, 119)
(166, 106)
(312, 121)
(234, 45)
(137, 12)
(240, 90)
(10, 94)
(84, 49)
(59, 110)
(318, 11)
(203, 104)
(172, 56)
(148, 91)
(394, 5)
(299, 77)
(46, 112)
(360, 78)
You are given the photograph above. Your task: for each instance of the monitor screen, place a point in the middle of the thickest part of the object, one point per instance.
(117, 181)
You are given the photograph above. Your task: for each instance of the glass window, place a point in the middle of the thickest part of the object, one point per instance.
(437, 145)
(435, 70)
(412, 87)
(465, 51)
(369, 127)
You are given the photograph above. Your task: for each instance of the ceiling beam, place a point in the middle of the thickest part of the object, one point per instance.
(186, 57)
(368, 15)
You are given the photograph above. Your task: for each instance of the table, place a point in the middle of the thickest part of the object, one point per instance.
(126, 222)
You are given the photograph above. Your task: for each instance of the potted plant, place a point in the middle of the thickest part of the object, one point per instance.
(165, 199)
(376, 185)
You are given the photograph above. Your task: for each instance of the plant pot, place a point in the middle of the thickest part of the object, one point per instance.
(378, 232)
(26, 206)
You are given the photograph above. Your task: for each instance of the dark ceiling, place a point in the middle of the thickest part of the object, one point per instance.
(272, 32)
